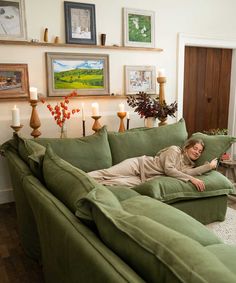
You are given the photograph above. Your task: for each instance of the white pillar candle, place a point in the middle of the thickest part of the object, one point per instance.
(15, 117)
(161, 73)
(121, 107)
(95, 109)
(33, 93)
(82, 110)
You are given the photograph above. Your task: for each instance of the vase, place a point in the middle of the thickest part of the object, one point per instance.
(63, 131)
(162, 121)
(150, 122)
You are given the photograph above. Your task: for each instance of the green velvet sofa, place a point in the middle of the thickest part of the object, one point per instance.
(82, 231)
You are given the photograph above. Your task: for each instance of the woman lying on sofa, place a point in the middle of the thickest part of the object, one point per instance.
(172, 161)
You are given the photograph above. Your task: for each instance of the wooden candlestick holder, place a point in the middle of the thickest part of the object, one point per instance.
(121, 115)
(161, 81)
(96, 125)
(16, 129)
(34, 120)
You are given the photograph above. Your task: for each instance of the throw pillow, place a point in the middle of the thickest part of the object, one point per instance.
(145, 141)
(215, 146)
(65, 181)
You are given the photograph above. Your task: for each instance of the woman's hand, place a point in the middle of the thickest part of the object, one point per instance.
(214, 163)
(199, 184)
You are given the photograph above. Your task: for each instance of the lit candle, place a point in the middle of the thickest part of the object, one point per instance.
(121, 107)
(95, 109)
(33, 93)
(15, 117)
(127, 115)
(82, 110)
(161, 73)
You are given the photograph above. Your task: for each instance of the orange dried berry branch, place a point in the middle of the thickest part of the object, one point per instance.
(61, 112)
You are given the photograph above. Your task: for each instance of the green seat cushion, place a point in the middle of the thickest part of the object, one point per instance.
(226, 254)
(65, 181)
(145, 141)
(87, 153)
(170, 190)
(156, 252)
(215, 146)
(170, 217)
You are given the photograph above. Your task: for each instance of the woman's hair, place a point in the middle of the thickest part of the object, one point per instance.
(191, 142)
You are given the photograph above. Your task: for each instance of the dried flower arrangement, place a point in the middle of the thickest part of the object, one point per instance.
(148, 106)
(216, 131)
(60, 111)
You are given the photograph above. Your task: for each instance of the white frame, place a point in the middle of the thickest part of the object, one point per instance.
(22, 35)
(126, 29)
(131, 88)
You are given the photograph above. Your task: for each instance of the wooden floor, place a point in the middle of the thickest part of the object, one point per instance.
(15, 266)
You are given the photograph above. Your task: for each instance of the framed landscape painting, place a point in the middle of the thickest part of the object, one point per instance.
(14, 82)
(80, 23)
(12, 20)
(88, 74)
(139, 28)
(140, 78)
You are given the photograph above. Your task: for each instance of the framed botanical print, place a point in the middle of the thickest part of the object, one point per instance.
(80, 23)
(12, 20)
(139, 28)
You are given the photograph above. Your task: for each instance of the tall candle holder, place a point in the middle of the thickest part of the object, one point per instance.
(16, 129)
(83, 125)
(127, 123)
(121, 115)
(34, 120)
(161, 81)
(96, 125)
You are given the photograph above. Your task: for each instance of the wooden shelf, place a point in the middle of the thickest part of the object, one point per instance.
(47, 44)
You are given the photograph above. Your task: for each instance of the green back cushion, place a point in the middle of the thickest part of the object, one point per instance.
(215, 146)
(170, 190)
(154, 251)
(87, 153)
(145, 141)
(65, 181)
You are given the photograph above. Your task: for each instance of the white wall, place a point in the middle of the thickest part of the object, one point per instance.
(212, 18)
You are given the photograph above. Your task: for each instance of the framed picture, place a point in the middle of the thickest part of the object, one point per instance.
(140, 78)
(139, 28)
(88, 74)
(14, 82)
(12, 20)
(80, 23)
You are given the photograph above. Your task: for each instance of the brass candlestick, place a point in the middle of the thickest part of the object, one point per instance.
(16, 129)
(96, 125)
(121, 115)
(34, 120)
(161, 81)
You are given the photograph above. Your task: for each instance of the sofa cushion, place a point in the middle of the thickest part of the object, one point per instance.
(65, 181)
(170, 217)
(169, 190)
(215, 146)
(87, 153)
(153, 250)
(145, 141)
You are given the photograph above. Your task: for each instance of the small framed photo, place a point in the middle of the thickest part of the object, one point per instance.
(14, 82)
(88, 74)
(140, 78)
(139, 28)
(12, 20)
(80, 23)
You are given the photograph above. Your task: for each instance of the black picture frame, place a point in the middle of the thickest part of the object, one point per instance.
(80, 23)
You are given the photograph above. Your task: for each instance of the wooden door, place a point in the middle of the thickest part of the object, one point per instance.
(206, 88)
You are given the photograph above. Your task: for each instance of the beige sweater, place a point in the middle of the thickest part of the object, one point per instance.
(171, 161)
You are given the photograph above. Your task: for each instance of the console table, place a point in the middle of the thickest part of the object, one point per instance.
(228, 168)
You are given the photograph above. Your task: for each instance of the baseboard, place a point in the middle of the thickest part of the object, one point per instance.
(6, 196)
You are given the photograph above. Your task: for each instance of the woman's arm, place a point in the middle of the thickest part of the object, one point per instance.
(201, 169)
